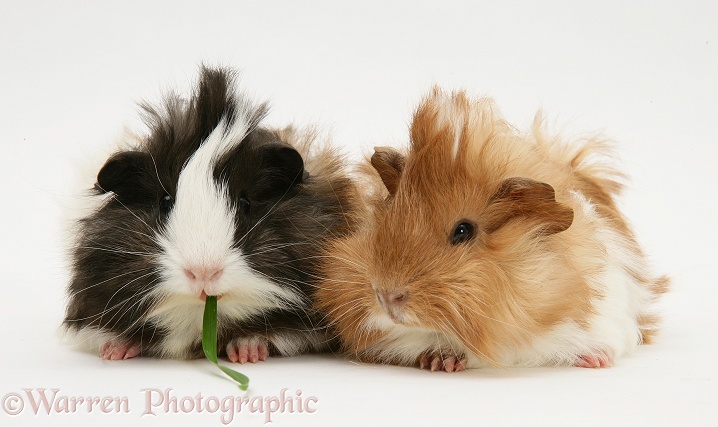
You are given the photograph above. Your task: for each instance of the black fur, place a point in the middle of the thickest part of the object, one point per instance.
(277, 202)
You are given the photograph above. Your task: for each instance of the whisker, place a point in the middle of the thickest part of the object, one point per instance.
(114, 197)
(117, 251)
(125, 229)
(107, 280)
(265, 215)
(125, 285)
(157, 173)
(107, 310)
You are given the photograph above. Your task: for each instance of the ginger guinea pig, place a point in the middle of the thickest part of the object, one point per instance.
(489, 247)
(207, 203)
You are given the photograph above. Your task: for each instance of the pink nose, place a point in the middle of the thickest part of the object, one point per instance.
(393, 303)
(392, 299)
(204, 279)
(397, 298)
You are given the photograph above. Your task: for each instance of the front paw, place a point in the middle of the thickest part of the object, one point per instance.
(117, 350)
(437, 360)
(247, 349)
(599, 359)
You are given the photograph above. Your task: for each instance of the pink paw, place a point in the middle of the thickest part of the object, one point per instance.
(437, 361)
(113, 350)
(601, 359)
(247, 349)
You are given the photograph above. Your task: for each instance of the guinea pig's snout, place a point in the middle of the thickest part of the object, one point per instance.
(204, 279)
(392, 302)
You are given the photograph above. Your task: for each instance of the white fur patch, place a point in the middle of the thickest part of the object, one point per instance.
(405, 343)
(292, 343)
(614, 327)
(90, 339)
(450, 115)
(183, 326)
(623, 297)
(470, 126)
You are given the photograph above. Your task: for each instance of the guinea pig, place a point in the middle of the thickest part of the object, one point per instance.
(489, 247)
(207, 203)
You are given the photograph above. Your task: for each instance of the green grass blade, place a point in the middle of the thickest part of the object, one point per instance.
(209, 329)
(209, 341)
(242, 379)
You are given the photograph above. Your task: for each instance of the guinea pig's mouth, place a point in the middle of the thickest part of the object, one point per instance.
(203, 296)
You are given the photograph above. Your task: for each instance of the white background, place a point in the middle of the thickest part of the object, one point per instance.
(642, 72)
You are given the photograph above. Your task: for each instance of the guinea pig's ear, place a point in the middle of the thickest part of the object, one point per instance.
(283, 167)
(123, 171)
(389, 163)
(526, 198)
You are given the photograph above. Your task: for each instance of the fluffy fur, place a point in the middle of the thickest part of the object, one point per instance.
(489, 247)
(207, 203)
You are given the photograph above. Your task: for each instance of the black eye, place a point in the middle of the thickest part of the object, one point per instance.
(463, 232)
(244, 205)
(166, 203)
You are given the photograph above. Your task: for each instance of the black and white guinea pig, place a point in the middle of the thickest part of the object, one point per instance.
(207, 203)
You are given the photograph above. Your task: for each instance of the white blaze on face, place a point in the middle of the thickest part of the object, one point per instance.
(198, 247)
(199, 236)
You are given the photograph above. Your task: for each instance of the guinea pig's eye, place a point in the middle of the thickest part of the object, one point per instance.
(463, 232)
(244, 205)
(166, 203)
